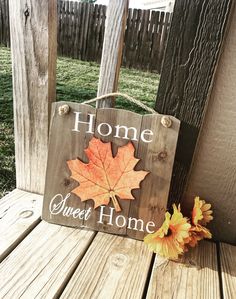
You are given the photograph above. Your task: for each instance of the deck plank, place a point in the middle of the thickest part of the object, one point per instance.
(19, 214)
(195, 276)
(113, 267)
(42, 264)
(228, 267)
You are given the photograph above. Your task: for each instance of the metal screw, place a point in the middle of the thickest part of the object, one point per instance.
(166, 121)
(64, 109)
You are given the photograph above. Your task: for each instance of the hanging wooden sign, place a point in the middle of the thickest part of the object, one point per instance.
(109, 169)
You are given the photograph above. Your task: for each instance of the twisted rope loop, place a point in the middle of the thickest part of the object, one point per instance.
(129, 98)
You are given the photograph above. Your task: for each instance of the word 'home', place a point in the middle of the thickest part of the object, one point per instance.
(105, 129)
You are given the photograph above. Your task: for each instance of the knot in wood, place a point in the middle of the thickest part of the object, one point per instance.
(119, 260)
(26, 13)
(166, 121)
(64, 109)
(162, 156)
(26, 214)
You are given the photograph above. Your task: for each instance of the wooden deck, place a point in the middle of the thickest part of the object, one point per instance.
(41, 260)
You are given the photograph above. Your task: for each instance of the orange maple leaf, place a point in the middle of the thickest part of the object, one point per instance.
(105, 176)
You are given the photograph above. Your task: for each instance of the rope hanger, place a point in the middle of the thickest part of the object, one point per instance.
(127, 97)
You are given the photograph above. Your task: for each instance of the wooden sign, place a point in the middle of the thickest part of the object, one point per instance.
(109, 169)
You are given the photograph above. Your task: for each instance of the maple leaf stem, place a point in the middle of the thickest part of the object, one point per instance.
(115, 202)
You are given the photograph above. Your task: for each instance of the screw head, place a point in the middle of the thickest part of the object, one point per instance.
(166, 121)
(64, 109)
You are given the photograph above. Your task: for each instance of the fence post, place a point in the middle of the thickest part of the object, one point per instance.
(112, 49)
(191, 57)
(33, 45)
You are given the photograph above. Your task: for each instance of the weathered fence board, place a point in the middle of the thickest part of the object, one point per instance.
(81, 29)
(190, 61)
(34, 68)
(4, 23)
(112, 50)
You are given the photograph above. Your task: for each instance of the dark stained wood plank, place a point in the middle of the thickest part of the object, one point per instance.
(113, 117)
(90, 38)
(62, 27)
(101, 30)
(77, 50)
(67, 145)
(87, 8)
(194, 43)
(156, 39)
(158, 158)
(164, 36)
(75, 30)
(127, 37)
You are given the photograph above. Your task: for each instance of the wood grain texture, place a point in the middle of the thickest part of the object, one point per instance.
(44, 262)
(19, 214)
(195, 276)
(194, 43)
(33, 45)
(67, 145)
(112, 49)
(156, 157)
(4, 23)
(213, 172)
(114, 117)
(228, 269)
(113, 267)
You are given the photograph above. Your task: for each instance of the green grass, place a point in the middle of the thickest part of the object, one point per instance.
(76, 81)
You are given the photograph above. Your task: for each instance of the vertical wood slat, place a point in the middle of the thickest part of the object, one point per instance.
(184, 86)
(112, 49)
(113, 117)
(75, 44)
(63, 145)
(158, 158)
(70, 28)
(4, 23)
(91, 21)
(33, 45)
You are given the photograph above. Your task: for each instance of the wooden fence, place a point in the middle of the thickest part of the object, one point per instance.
(4, 23)
(81, 29)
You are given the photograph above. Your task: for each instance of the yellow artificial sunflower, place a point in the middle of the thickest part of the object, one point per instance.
(202, 213)
(170, 238)
(197, 233)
